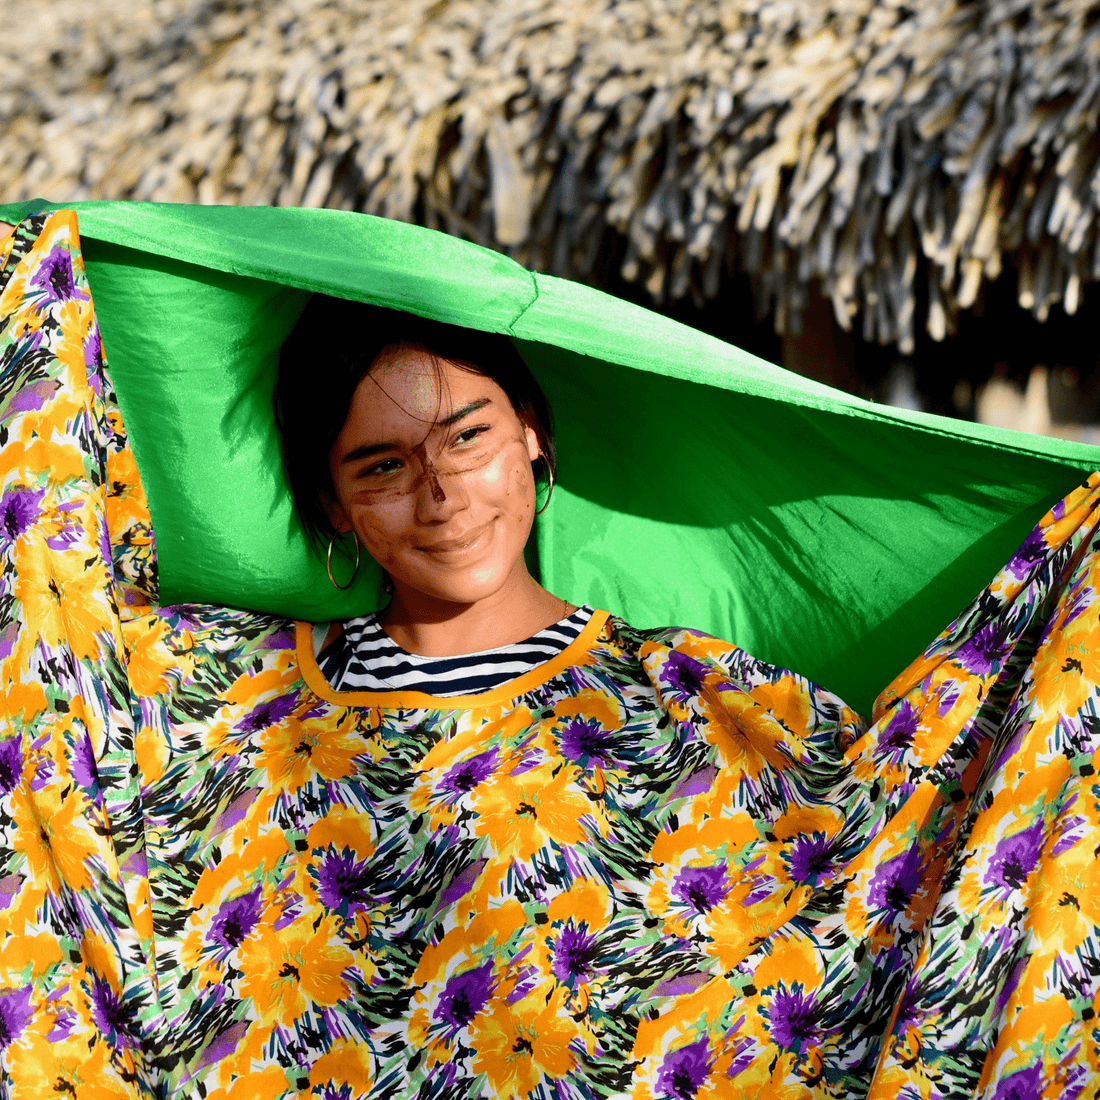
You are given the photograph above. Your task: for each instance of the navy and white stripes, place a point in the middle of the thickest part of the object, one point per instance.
(365, 658)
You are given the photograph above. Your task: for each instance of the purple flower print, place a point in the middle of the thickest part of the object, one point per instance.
(1015, 858)
(574, 954)
(680, 984)
(984, 650)
(33, 397)
(236, 918)
(11, 764)
(93, 350)
(682, 676)
(55, 276)
(15, 1014)
(898, 733)
(1033, 550)
(111, 1014)
(1024, 1084)
(793, 1018)
(468, 774)
(82, 765)
(343, 882)
(683, 1071)
(896, 881)
(463, 882)
(267, 714)
(9, 889)
(19, 508)
(464, 996)
(701, 887)
(584, 740)
(224, 1045)
(810, 856)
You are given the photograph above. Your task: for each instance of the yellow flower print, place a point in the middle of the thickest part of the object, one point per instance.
(148, 658)
(23, 701)
(522, 813)
(286, 971)
(41, 1067)
(456, 1007)
(686, 1016)
(343, 827)
(787, 701)
(261, 857)
(470, 738)
(269, 1083)
(63, 597)
(56, 416)
(151, 750)
(62, 462)
(490, 928)
(24, 957)
(346, 1063)
(746, 737)
(791, 956)
(1028, 1028)
(125, 504)
(1067, 669)
(518, 1045)
(1064, 907)
(586, 900)
(296, 752)
(718, 879)
(590, 703)
(717, 837)
(1036, 787)
(55, 836)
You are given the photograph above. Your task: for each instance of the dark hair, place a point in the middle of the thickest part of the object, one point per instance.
(333, 347)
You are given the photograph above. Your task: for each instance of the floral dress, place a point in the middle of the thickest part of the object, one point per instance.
(654, 867)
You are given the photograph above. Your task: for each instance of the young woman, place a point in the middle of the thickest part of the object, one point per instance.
(424, 441)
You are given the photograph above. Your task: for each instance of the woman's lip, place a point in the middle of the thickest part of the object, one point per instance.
(450, 546)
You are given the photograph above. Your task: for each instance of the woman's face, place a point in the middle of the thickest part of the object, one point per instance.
(432, 471)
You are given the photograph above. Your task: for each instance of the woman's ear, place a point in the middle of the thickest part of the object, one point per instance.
(532, 441)
(336, 514)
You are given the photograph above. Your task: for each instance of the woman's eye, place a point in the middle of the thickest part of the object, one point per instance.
(386, 467)
(468, 435)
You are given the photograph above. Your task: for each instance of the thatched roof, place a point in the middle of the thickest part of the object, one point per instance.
(838, 140)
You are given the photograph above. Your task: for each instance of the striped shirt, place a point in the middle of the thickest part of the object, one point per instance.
(366, 658)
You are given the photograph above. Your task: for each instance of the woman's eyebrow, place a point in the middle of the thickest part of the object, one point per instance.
(458, 414)
(366, 451)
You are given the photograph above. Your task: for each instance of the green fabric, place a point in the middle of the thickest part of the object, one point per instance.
(698, 485)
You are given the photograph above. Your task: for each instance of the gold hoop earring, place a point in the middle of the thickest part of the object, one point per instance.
(355, 571)
(550, 491)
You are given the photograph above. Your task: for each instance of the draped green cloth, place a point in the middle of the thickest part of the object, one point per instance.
(697, 484)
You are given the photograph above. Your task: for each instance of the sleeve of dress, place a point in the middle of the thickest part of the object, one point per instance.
(78, 989)
(912, 908)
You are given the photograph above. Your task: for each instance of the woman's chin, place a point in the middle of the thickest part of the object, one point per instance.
(461, 591)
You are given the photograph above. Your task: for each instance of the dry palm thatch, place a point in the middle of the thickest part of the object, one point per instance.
(838, 140)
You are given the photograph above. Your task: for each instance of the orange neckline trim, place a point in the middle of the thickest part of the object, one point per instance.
(419, 700)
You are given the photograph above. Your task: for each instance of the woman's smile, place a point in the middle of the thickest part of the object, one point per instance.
(457, 548)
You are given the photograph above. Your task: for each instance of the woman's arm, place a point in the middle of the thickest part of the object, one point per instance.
(5, 230)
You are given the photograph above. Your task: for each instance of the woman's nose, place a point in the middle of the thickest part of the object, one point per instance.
(438, 493)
